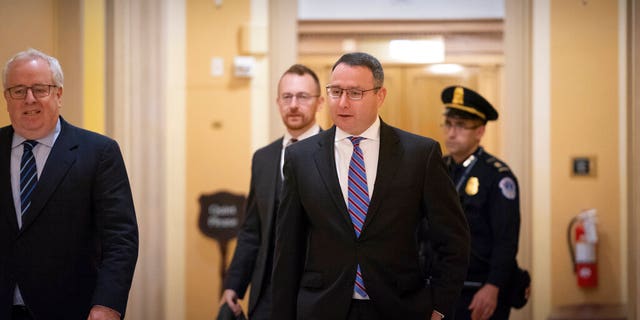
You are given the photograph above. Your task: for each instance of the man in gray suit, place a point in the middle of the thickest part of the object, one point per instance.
(353, 200)
(298, 99)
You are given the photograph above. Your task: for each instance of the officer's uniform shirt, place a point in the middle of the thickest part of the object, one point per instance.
(490, 198)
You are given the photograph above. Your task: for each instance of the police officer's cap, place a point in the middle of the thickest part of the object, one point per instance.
(466, 103)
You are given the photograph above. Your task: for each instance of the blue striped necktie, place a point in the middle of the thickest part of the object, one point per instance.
(28, 174)
(358, 196)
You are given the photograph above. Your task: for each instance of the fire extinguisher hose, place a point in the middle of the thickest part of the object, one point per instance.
(571, 244)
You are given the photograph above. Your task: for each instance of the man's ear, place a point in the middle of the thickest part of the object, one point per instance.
(480, 130)
(381, 94)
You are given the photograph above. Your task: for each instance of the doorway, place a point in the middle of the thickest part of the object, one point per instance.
(474, 56)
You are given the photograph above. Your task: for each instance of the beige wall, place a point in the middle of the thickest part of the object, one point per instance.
(53, 27)
(218, 138)
(584, 122)
(16, 35)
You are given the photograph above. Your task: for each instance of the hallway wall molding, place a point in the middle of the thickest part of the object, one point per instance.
(633, 158)
(145, 114)
(540, 202)
(283, 52)
(517, 130)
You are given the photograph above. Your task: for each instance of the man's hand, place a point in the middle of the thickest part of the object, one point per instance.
(231, 298)
(436, 316)
(103, 313)
(484, 302)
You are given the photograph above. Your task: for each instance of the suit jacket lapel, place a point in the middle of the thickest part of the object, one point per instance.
(326, 164)
(390, 152)
(61, 158)
(8, 211)
(274, 183)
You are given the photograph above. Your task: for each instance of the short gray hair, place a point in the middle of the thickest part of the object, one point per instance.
(54, 65)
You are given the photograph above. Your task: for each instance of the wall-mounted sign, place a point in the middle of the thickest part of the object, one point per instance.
(221, 217)
(583, 166)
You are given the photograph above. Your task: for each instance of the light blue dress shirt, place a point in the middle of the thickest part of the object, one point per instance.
(41, 153)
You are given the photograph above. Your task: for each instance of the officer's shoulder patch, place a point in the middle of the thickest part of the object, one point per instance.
(508, 188)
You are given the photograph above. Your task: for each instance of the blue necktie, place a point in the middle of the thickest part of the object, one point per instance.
(358, 196)
(28, 174)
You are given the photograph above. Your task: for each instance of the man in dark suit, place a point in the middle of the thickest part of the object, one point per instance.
(68, 231)
(353, 200)
(298, 99)
(490, 198)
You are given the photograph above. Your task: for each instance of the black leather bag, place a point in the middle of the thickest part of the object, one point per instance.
(225, 313)
(515, 292)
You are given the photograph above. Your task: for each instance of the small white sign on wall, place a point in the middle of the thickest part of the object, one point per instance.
(244, 66)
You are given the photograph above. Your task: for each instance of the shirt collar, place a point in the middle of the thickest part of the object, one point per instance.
(47, 140)
(372, 133)
(310, 132)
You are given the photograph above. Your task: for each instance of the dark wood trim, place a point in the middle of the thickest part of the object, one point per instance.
(342, 27)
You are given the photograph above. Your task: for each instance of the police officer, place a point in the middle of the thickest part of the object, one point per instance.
(489, 195)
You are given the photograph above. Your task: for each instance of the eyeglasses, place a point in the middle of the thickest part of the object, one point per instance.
(301, 97)
(352, 94)
(38, 91)
(457, 126)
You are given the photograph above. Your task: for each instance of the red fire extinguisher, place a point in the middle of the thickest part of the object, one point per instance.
(584, 258)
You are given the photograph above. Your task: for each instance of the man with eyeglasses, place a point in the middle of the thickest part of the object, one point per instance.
(68, 230)
(488, 191)
(298, 101)
(353, 200)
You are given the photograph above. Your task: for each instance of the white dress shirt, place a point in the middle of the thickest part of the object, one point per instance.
(370, 151)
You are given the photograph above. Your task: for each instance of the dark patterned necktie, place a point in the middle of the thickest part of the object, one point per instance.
(28, 174)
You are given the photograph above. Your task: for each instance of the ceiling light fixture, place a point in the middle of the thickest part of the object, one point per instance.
(417, 51)
(445, 68)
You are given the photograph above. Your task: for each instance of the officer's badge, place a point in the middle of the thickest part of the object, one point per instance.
(472, 186)
(508, 187)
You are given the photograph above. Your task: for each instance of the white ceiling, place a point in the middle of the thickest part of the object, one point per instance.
(400, 9)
